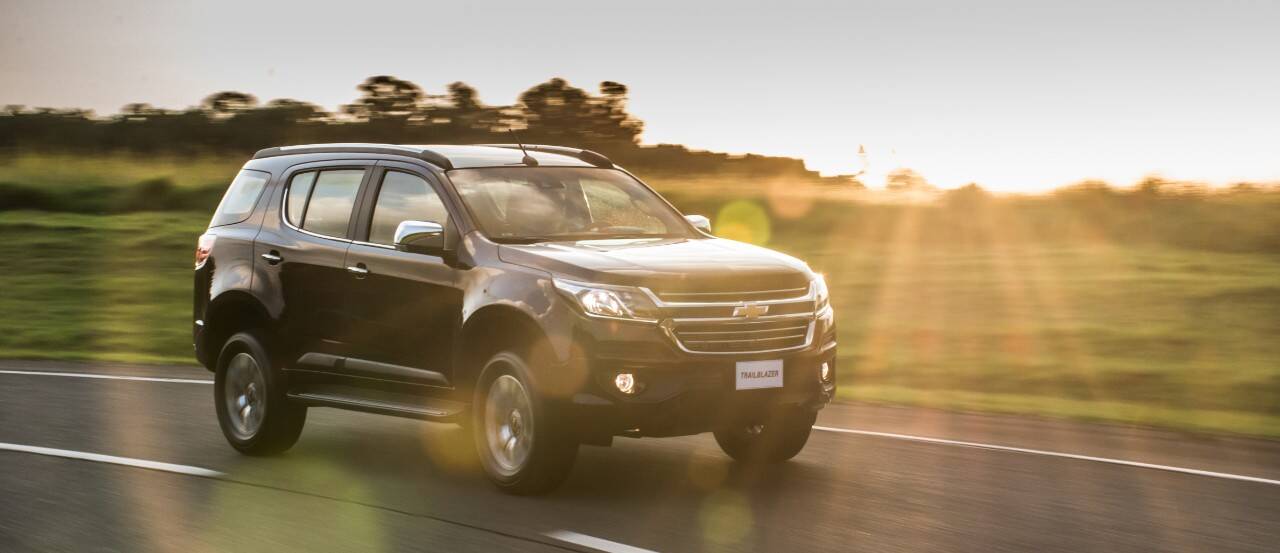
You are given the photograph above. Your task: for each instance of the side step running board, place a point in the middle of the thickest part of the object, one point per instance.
(430, 409)
(352, 366)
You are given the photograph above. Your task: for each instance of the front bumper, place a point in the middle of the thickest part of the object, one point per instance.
(682, 394)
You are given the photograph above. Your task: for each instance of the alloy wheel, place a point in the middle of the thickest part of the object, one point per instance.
(245, 394)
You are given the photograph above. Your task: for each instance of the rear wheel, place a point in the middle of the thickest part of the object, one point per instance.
(520, 442)
(776, 438)
(255, 416)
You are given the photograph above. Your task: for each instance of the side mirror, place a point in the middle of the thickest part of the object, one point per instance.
(420, 237)
(700, 222)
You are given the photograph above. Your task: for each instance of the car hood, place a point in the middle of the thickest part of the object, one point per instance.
(664, 263)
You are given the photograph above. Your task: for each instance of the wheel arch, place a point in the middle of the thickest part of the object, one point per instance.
(229, 313)
(494, 328)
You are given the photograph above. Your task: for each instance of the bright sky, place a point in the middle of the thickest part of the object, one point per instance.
(1017, 95)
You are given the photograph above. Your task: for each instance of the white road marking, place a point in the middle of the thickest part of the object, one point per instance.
(100, 458)
(111, 377)
(1121, 462)
(593, 542)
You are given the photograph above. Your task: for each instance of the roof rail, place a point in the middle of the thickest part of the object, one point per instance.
(599, 160)
(420, 153)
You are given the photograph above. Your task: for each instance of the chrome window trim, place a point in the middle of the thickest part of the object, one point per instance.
(383, 246)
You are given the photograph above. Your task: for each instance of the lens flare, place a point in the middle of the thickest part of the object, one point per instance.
(744, 221)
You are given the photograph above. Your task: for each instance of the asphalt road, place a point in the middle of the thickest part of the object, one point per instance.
(360, 482)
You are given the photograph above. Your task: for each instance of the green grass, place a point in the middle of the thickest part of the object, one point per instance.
(1013, 307)
(113, 288)
(70, 170)
(1184, 339)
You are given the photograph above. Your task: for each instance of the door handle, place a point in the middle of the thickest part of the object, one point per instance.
(273, 257)
(358, 269)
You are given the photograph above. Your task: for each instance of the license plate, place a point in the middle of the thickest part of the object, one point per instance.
(753, 375)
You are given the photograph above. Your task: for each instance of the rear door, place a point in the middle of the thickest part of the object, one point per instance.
(406, 306)
(304, 250)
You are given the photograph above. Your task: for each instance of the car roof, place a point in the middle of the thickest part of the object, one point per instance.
(457, 156)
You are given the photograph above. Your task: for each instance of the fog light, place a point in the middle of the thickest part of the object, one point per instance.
(626, 383)
(826, 372)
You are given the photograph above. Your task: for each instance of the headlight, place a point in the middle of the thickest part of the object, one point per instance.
(822, 298)
(613, 302)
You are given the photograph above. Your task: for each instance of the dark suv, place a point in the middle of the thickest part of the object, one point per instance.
(540, 295)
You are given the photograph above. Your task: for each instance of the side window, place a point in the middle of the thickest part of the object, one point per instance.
(299, 190)
(404, 197)
(237, 204)
(332, 197)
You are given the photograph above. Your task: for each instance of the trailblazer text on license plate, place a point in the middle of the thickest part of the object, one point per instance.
(752, 375)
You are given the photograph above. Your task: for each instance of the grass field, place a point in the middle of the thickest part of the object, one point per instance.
(70, 170)
(974, 308)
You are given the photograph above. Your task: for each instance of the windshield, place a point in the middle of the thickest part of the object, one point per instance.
(532, 204)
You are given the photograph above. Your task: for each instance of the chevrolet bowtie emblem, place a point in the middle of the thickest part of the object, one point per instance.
(750, 310)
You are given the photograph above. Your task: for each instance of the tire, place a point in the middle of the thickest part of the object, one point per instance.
(778, 438)
(522, 445)
(249, 394)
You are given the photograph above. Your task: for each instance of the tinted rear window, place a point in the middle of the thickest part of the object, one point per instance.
(237, 204)
(332, 197)
(299, 191)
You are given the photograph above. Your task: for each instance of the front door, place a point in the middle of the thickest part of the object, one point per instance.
(405, 306)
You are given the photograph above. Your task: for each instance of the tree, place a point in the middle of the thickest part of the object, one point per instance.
(904, 179)
(555, 111)
(464, 118)
(297, 111)
(388, 109)
(1152, 186)
(559, 113)
(223, 105)
(281, 121)
(616, 124)
(139, 111)
(385, 97)
(463, 97)
(966, 198)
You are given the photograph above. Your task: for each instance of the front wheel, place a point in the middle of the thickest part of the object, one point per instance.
(520, 442)
(776, 438)
(255, 416)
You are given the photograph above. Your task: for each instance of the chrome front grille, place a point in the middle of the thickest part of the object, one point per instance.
(758, 295)
(744, 337)
(739, 322)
